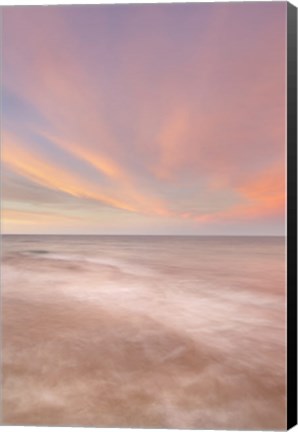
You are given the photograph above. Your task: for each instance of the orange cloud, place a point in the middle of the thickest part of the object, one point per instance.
(144, 118)
(35, 217)
(171, 143)
(34, 166)
(125, 183)
(263, 196)
(38, 169)
(267, 187)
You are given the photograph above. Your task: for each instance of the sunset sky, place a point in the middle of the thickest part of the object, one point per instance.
(144, 119)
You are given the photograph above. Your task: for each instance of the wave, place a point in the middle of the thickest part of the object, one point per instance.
(90, 340)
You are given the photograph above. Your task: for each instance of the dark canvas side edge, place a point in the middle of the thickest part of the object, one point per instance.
(291, 215)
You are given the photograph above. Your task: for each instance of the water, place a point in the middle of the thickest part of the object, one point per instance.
(144, 331)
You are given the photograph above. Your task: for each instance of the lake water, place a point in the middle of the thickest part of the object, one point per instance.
(144, 331)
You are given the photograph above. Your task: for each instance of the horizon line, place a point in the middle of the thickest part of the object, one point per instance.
(143, 235)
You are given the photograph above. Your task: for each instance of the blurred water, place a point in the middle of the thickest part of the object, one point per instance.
(144, 331)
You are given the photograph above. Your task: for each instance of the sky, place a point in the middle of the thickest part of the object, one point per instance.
(144, 119)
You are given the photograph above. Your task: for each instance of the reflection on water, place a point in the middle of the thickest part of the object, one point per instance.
(137, 331)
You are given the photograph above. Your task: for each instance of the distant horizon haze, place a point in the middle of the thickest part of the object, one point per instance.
(142, 235)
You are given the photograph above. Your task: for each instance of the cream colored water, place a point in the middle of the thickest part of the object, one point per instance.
(159, 332)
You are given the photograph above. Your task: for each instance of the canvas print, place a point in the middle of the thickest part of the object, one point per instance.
(143, 215)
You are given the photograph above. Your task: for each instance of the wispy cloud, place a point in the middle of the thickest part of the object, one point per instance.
(182, 126)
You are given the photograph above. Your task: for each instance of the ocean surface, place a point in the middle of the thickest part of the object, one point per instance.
(144, 331)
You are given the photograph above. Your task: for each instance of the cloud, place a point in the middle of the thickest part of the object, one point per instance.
(31, 218)
(36, 168)
(263, 197)
(181, 125)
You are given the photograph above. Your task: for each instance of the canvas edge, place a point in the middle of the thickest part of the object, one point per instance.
(291, 215)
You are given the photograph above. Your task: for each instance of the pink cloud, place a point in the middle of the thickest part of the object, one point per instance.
(148, 121)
